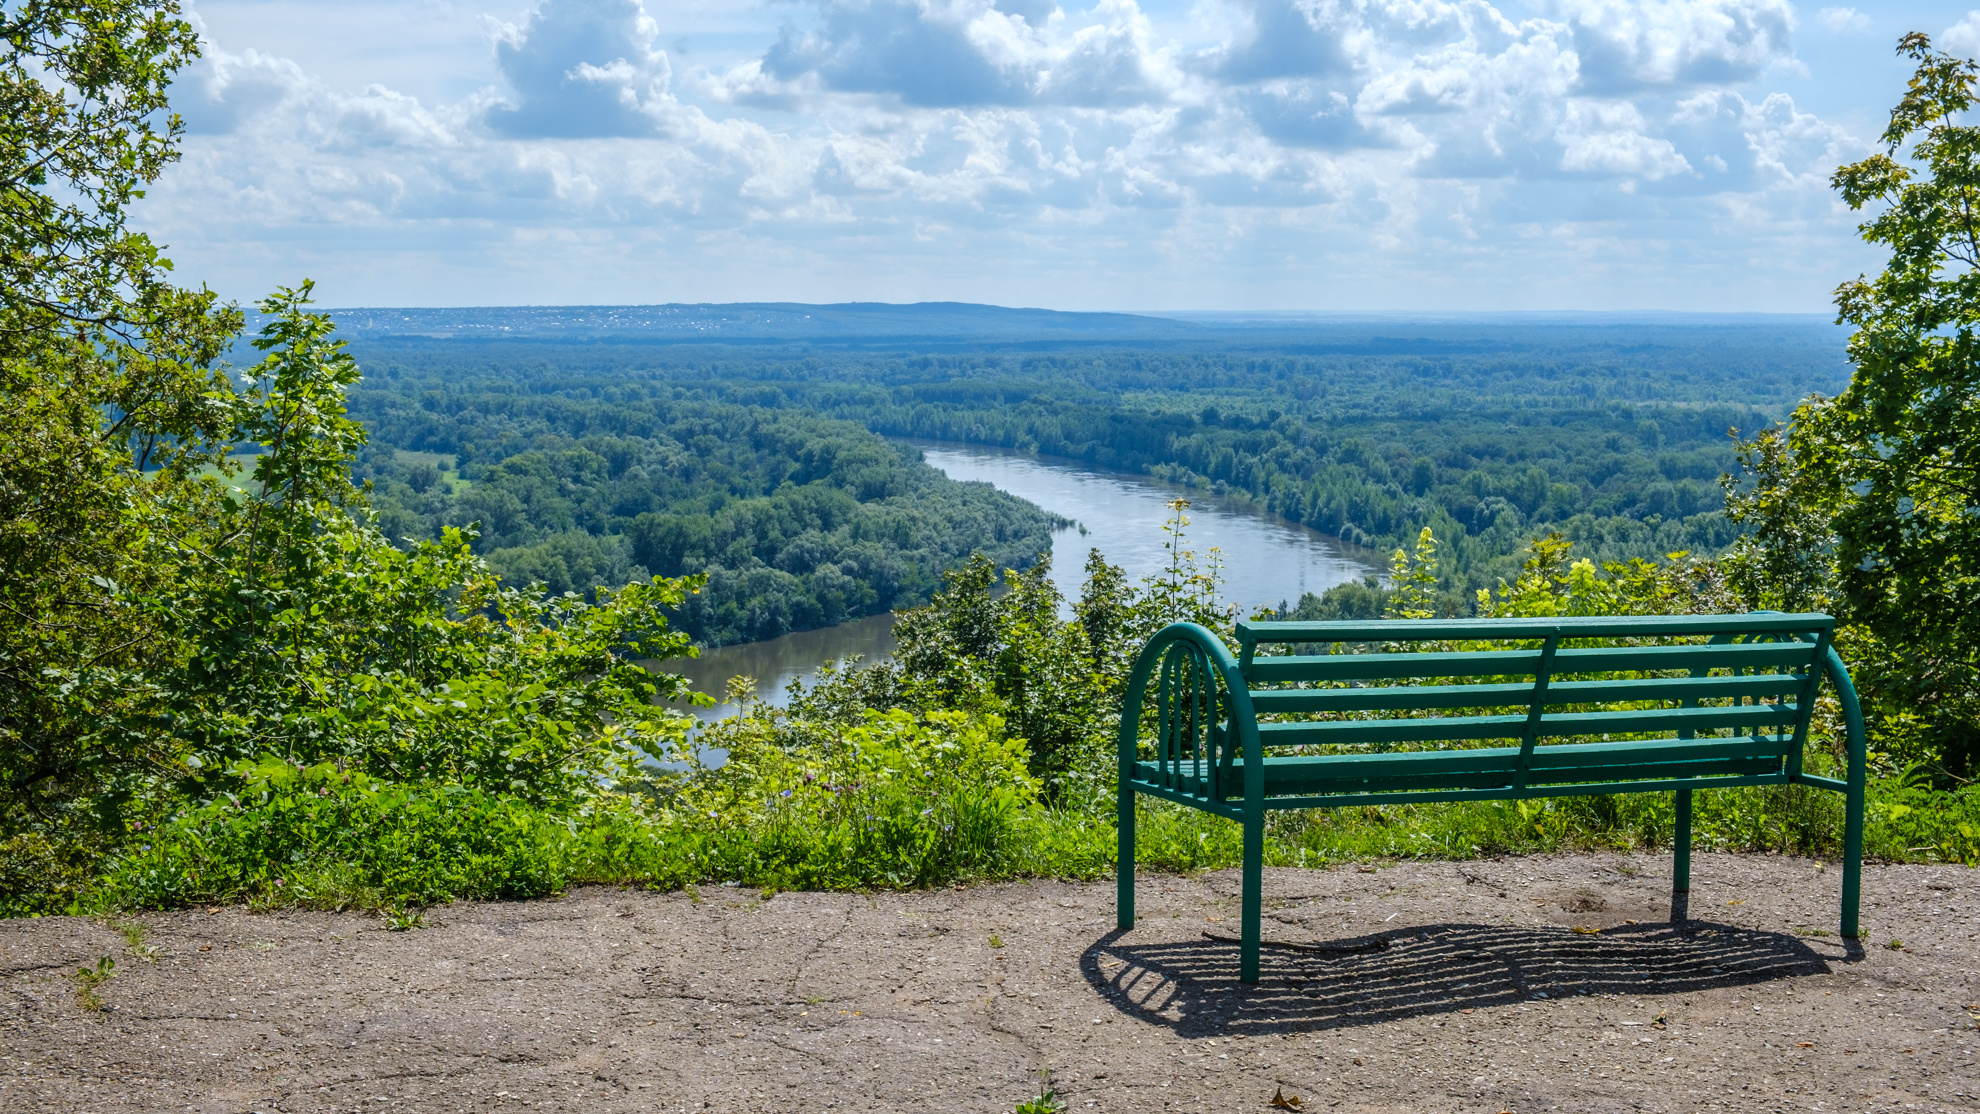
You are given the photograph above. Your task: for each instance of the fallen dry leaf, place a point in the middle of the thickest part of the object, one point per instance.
(1282, 1101)
(1585, 930)
(1804, 1044)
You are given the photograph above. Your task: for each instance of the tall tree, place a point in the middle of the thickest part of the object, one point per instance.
(1883, 481)
(109, 406)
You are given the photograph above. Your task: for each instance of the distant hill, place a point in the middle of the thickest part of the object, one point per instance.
(757, 322)
(951, 326)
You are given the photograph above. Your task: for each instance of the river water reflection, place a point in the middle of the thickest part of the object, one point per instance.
(1266, 559)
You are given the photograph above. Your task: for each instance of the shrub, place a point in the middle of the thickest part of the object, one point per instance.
(320, 836)
(889, 801)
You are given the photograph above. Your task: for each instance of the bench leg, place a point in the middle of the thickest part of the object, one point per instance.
(1124, 868)
(1681, 861)
(1254, 896)
(1852, 882)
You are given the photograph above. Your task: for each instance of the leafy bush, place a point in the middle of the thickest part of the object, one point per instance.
(887, 801)
(286, 633)
(324, 837)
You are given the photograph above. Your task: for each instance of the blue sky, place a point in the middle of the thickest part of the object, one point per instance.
(1166, 154)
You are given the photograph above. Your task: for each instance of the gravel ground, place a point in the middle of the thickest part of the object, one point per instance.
(1510, 985)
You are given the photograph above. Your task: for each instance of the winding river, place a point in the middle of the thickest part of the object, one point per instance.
(1266, 559)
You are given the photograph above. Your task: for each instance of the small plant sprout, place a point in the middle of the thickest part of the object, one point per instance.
(996, 941)
(1048, 1100)
(134, 933)
(1895, 945)
(404, 919)
(88, 979)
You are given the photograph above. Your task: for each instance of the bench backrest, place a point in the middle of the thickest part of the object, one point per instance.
(1438, 682)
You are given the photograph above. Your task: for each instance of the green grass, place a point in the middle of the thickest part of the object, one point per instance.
(412, 847)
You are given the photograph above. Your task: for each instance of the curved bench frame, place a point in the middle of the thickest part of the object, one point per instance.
(1209, 753)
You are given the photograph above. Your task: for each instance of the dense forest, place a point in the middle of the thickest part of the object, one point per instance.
(1488, 432)
(796, 521)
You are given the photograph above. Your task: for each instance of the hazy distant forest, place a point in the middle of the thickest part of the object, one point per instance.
(584, 460)
(361, 609)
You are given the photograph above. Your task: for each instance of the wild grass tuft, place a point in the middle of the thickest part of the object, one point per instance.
(89, 979)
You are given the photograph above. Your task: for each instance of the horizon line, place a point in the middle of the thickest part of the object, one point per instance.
(1142, 312)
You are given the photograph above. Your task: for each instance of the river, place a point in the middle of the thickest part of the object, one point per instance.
(1266, 559)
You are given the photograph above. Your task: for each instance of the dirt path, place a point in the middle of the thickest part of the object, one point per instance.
(1458, 987)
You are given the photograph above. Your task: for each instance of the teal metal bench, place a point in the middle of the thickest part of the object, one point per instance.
(1638, 704)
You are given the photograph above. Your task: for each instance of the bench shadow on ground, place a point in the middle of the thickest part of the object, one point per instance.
(1191, 986)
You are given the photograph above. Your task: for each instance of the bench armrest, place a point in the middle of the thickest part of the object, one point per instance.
(1858, 742)
(1240, 722)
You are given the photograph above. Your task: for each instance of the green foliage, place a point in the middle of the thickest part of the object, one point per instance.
(889, 800)
(848, 790)
(1869, 503)
(322, 837)
(1550, 583)
(461, 718)
(1413, 581)
(109, 406)
(404, 920)
(1047, 1101)
(1017, 656)
(318, 641)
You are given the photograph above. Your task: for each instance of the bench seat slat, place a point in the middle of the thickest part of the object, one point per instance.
(1430, 729)
(1412, 697)
(1592, 626)
(1487, 767)
(1553, 757)
(1513, 663)
(1317, 783)
(1445, 729)
(1739, 717)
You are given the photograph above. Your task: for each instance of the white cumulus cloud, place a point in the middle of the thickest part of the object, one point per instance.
(1842, 21)
(971, 148)
(1962, 38)
(1628, 45)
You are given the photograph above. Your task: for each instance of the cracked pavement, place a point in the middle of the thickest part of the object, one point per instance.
(1547, 983)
